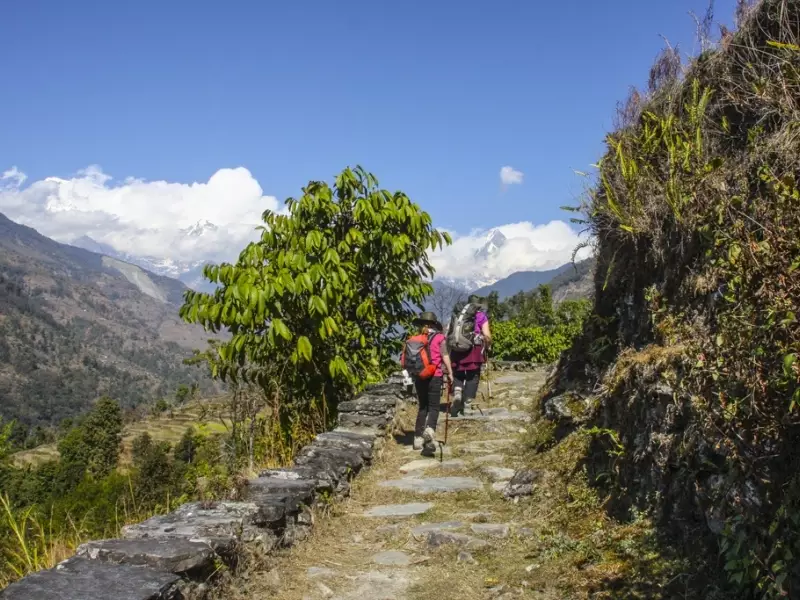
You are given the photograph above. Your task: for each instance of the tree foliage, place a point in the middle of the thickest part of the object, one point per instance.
(313, 306)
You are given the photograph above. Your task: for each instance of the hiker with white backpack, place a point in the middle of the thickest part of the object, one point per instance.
(426, 360)
(468, 339)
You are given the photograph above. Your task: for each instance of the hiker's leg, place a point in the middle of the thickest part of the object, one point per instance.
(422, 412)
(457, 405)
(434, 402)
(471, 383)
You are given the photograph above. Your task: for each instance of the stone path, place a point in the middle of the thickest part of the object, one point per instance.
(416, 527)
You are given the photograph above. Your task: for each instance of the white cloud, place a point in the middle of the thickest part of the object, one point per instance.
(150, 219)
(510, 176)
(527, 247)
(143, 218)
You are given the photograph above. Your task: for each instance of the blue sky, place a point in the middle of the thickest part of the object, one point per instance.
(433, 97)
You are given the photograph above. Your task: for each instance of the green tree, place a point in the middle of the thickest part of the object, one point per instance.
(313, 306)
(154, 476)
(103, 436)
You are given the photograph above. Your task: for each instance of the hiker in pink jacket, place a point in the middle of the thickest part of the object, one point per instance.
(467, 364)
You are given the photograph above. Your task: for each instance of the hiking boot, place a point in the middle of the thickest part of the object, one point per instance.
(428, 435)
(418, 441)
(429, 442)
(457, 410)
(428, 449)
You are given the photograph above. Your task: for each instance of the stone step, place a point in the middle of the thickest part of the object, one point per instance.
(424, 464)
(399, 510)
(426, 528)
(431, 485)
(495, 530)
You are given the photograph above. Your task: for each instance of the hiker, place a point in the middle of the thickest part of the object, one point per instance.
(425, 358)
(468, 339)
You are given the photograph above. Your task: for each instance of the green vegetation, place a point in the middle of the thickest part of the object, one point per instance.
(696, 214)
(530, 327)
(96, 485)
(313, 307)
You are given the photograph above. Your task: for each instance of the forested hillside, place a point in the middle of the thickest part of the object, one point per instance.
(75, 326)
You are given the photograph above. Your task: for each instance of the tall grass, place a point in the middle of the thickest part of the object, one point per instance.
(33, 542)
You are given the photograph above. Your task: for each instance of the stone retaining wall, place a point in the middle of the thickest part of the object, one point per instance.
(175, 556)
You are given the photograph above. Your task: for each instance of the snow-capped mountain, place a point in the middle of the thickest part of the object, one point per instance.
(189, 272)
(480, 275)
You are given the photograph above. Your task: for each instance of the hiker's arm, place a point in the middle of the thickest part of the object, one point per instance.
(448, 366)
(487, 333)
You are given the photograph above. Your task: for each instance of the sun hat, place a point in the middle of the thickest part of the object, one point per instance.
(427, 318)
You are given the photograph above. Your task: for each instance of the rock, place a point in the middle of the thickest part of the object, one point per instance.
(218, 524)
(179, 556)
(393, 558)
(489, 458)
(399, 510)
(500, 486)
(523, 483)
(498, 473)
(440, 538)
(358, 538)
(467, 558)
(325, 590)
(433, 485)
(445, 526)
(374, 432)
(496, 530)
(364, 444)
(82, 579)
(566, 409)
(315, 572)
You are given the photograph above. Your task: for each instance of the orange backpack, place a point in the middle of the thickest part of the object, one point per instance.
(416, 356)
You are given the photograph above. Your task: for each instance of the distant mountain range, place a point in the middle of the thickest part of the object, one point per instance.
(75, 325)
(189, 272)
(568, 281)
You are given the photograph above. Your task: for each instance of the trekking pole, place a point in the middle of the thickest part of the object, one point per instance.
(446, 426)
(488, 370)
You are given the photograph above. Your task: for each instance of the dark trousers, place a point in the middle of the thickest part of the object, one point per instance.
(468, 382)
(429, 396)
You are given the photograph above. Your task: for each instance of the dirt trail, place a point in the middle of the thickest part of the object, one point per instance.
(417, 528)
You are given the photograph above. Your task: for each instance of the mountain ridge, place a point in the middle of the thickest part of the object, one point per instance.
(76, 325)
